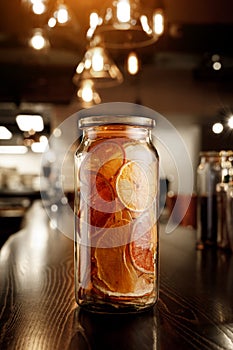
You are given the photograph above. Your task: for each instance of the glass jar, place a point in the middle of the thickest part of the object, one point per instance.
(208, 175)
(116, 209)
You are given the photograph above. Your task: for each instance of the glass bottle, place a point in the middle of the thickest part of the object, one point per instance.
(116, 209)
(223, 199)
(229, 216)
(208, 175)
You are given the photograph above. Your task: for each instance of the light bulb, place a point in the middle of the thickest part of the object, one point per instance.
(38, 7)
(38, 41)
(62, 14)
(217, 128)
(97, 61)
(230, 122)
(132, 63)
(123, 11)
(158, 22)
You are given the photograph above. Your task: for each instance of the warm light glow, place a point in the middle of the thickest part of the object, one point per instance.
(87, 94)
(52, 22)
(158, 22)
(230, 122)
(62, 14)
(94, 20)
(38, 41)
(132, 63)
(123, 11)
(5, 134)
(27, 122)
(13, 149)
(87, 63)
(217, 66)
(217, 128)
(80, 68)
(87, 91)
(38, 7)
(43, 139)
(39, 147)
(97, 61)
(57, 132)
(145, 25)
(215, 57)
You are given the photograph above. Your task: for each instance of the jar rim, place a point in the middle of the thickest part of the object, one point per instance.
(131, 120)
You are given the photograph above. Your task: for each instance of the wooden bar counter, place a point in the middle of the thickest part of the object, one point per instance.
(38, 309)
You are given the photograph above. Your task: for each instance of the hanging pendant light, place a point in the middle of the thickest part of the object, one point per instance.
(38, 7)
(98, 67)
(133, 63)
(62, 16)
(87, 94)
(125, 25)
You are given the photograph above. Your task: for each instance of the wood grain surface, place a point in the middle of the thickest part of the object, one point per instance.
(38, 309)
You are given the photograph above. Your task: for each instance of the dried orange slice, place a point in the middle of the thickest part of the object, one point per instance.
(112, 266)
(143, 246)
(132, 186)
(105, 158)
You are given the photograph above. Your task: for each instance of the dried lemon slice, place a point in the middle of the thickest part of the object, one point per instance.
(132, 186)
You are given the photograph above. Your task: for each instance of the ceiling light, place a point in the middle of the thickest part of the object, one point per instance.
(38, 7)
(126, 25)
(216, 65)
(38, 40)
(158, 22)
(99, 67)
(61, 16)
(87, 93)
(217, 128)
(27, 122)
(123, 11)
(230, 122)
(13, 149)
(5, 133)
(132, 63)
(39, 147)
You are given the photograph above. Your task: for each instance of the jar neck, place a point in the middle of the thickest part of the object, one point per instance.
(117, 131)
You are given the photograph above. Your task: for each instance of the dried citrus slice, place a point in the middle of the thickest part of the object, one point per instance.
(112, 266)
(105, 157)
(139, 152)
(145, 157)
(143, 246)
(132, 186)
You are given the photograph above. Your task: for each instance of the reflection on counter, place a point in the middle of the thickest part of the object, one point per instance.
(103, 331)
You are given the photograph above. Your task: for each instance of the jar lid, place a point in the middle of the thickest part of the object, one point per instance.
(117, 120)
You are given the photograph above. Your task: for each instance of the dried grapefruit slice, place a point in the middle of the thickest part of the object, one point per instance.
(132, 186)
(143, 246)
